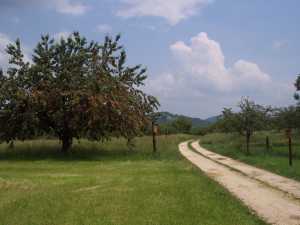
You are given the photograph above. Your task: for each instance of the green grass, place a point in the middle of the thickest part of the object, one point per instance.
(105, 184)
(275, 160)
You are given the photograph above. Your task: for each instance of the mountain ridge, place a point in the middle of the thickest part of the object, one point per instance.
(166, 117)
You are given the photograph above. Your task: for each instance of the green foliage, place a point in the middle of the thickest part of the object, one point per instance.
(229, 121)
(250, 118)
(166, 117)
(287, 117)
(73, 88)
(167, 128)
(180, 125)
(297, 86)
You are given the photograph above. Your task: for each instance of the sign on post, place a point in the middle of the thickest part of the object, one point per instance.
(155, 130)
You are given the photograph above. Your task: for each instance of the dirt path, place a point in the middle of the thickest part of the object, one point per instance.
(284, 184)
(272, 205)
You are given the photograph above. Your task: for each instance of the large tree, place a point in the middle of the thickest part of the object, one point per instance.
(73, 88)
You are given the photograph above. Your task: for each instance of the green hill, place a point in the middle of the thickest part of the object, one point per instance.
(166, 117)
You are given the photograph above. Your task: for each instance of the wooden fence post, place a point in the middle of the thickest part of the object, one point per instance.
(290, 152)
(267, 143)
(288, 132)
(154, 133)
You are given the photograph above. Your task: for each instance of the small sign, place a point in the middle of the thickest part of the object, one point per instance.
(155, 129)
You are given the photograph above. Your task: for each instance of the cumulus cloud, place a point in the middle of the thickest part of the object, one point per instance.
(104, 28)
(73, 7)
(248, 75)
(203, 61)
(201, 75)
(172, 10)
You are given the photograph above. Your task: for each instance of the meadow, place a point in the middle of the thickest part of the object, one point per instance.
(108, 184)
(276, 159)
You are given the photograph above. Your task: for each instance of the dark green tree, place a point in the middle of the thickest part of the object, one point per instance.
(182, 124)
(74, 88)
(297, 86)
(287, 118)
(228, 121)
(252, 117)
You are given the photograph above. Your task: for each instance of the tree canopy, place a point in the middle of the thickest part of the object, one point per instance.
(250, 118)
(73, 88)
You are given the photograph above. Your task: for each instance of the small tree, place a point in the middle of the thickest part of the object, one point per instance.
(252, 117)
(182, 124)
(287, 119)
(228, 121)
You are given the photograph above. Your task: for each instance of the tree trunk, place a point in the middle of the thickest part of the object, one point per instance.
(66, 144)
(290, 151)
(267, 144)
(154, 138)
(247, 143)
(11, 145)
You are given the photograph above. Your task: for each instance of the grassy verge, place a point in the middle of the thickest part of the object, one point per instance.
(275, 160)
(103, 183)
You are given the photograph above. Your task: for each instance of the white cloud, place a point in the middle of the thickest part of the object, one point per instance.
(203, 61)
(248, 75)
(172, 10)
(104, 28)
(70, 7)
(200, 76)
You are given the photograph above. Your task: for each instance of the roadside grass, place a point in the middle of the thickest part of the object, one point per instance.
(106, 184)
(275, 160)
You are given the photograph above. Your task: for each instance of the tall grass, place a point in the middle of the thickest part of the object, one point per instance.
(83, 149)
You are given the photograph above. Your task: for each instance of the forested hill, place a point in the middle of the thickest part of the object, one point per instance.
(166, 117)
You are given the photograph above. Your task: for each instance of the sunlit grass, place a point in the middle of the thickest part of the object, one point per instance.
(106, 183)
(275, 160)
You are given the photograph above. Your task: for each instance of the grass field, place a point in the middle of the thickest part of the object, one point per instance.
(103, 183)
(275, 160)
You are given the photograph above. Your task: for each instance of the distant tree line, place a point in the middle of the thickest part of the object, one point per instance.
(179, 125)
(252, 117)
(73, 88)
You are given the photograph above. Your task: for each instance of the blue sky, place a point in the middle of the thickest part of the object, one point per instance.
(202, 55)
